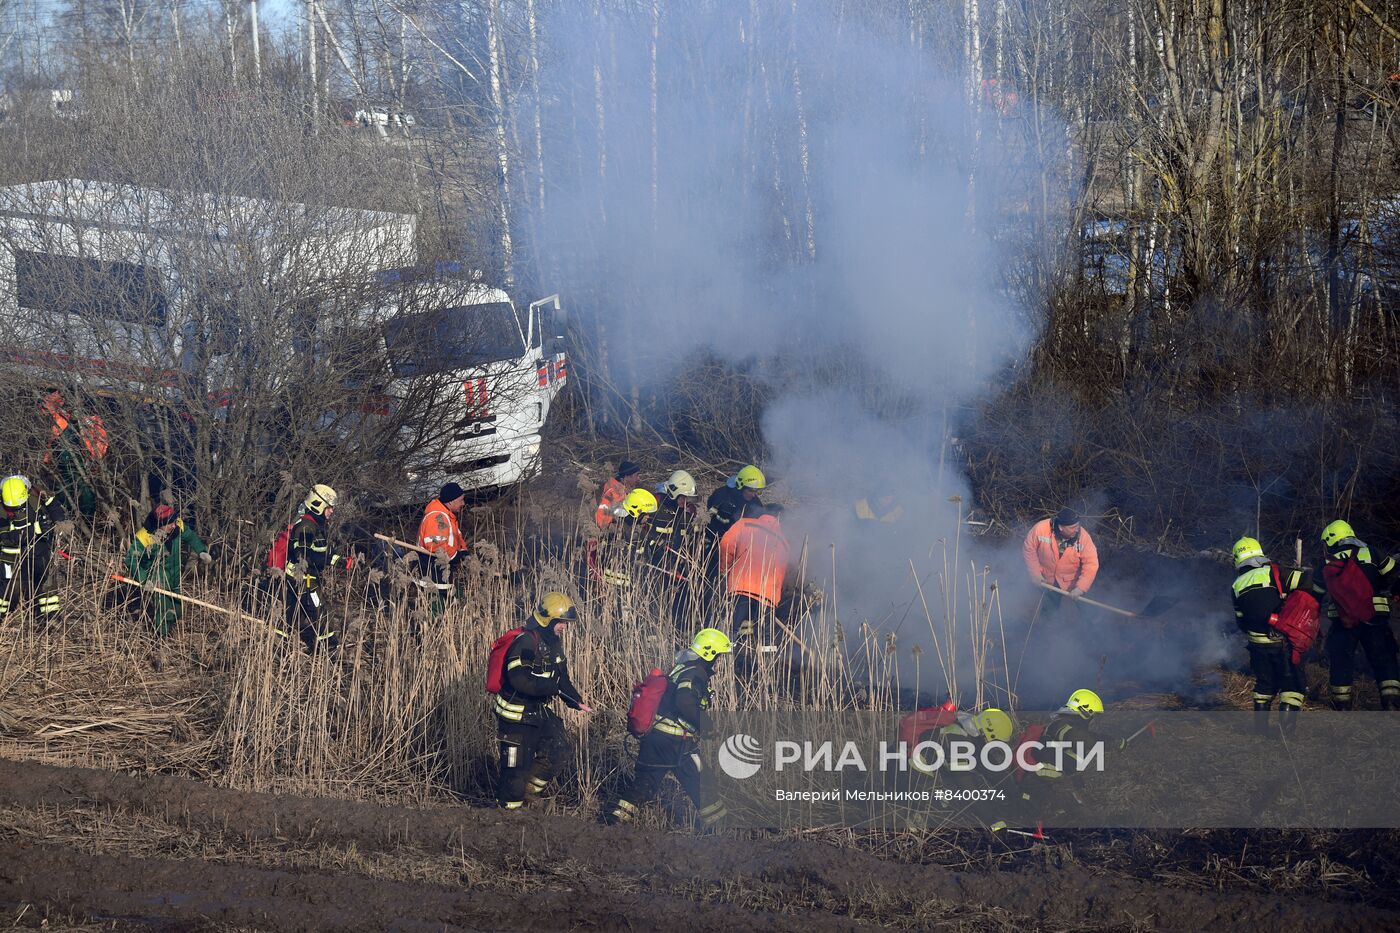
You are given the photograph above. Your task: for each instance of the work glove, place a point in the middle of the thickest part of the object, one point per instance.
(375, 576)
(63, 529)
(206, 557)
(148, 584)
(1076, 592)
(159, 535)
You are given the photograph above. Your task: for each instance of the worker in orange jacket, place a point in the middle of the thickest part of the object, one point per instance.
(1059, 552)
(753, 556)
(614, 491)
(441, 536)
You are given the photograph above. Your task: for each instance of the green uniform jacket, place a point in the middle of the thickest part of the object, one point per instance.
(148, 560)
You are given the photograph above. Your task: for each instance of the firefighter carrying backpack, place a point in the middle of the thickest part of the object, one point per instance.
(496, 662)
(1351, 590)
(277, 557)
(921, 721)
(646, 700)
(1299, 619)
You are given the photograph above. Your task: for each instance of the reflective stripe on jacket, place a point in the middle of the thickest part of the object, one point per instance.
(439, 533)
(1059, 563)
(613, 494)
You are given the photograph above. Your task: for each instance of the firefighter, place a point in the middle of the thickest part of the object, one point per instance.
(440, 535)
(631, 530)
(1257, 603)
(675, 513)
(1059, 552)
(75, 448)
(309, 556)
(990, 725)
(614, 491)
(1047, 790)
(885, 509)
(726, 502)
(154, 558)
(753, 555)
(1353, 624)
(668, 544)
(673, 744)
(531, 733)
(32, 522)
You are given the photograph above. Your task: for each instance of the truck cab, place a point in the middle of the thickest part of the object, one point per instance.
(495, 370)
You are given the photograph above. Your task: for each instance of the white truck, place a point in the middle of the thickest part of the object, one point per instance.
(112, 286)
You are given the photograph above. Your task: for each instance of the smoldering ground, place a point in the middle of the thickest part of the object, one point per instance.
(768, 182)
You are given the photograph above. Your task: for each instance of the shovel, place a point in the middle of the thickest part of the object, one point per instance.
(1155, 608)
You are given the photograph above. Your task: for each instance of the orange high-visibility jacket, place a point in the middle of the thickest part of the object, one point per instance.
(613, 494)
(439, 533)
(753, 554)
(1068, 566)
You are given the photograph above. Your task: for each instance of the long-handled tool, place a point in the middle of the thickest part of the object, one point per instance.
(187, 599)
(404, 544)
(1155, 607)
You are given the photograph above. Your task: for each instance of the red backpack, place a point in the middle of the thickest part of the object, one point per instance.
(1299, 618)
(277, 557)
(1351, 590)
(496, 663)
(915, 724)
(646, 699)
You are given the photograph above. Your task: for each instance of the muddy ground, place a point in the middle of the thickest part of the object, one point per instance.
(127, 851)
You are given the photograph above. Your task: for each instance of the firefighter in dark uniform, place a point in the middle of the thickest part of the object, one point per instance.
(670, 526)
(1257, 603)
(309, 556)
(26, 548)
(1373, 635)
(673, 744)
(627, 545)
(531, 733)
(727, 501)
(725, 506)
(1049, 789)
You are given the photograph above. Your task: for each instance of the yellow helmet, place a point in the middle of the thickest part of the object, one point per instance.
(638, 502)
(995, 725)
(681, 483)
(1247, 549)
(1084, 702)
(750, 477)
(320, 498)
(555, 607)
(1337, 531)
(709, 643)
(15, 491)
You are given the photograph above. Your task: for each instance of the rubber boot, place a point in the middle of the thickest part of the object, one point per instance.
(1390, 701)
(1288, 719)
(1261, 717)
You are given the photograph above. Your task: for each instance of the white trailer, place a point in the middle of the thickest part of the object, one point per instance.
(119, 285)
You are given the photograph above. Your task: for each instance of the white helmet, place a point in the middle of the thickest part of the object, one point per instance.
(680, 483)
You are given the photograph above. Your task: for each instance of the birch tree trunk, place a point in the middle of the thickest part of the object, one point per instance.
(498, 105)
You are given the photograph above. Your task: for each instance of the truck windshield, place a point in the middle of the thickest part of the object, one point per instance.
(452, 338)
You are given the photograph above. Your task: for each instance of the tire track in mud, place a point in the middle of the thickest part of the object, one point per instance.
(1070, 896)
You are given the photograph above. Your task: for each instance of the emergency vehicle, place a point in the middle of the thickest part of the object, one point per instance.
(114, 287)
